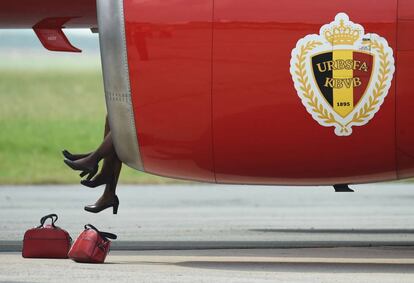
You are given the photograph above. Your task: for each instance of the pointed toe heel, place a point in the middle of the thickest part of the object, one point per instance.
(73, 157)
(93, 183)
(98, 208)
(78, 167)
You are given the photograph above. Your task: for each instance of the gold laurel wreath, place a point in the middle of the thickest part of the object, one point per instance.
(306, 88)
(318, 108)
(380, 85)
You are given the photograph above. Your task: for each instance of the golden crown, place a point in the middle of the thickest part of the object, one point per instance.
(343, 34)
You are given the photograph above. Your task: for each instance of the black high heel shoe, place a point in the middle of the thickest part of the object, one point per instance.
(98, 208)
(74, 157)
(85, 170)
(96, 182)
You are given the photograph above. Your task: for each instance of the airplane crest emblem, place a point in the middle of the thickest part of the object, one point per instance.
(342, 75)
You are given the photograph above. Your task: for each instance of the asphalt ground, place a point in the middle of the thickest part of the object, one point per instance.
(386, 264)
(215, 216)
(207, 233)
(208, 216)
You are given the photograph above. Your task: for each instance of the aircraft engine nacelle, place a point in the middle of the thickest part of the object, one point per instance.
(261, 92)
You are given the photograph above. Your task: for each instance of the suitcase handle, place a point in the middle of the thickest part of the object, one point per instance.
(104, 235)
(52, 216)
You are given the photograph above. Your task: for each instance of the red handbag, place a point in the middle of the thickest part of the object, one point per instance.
(46, 241)
(91, 246)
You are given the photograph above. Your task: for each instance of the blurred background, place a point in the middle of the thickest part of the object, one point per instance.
(50, 101)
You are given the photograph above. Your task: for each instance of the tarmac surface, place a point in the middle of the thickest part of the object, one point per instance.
(207, 233)
(258, 265)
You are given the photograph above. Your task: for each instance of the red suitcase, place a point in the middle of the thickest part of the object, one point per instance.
(46, 241)
(91, 246)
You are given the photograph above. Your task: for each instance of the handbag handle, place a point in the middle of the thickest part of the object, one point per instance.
(104, 235)
(52, 216)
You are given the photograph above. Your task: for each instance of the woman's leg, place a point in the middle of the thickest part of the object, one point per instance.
(109, 167)
(89, 164)
(108, 175)
(111, 185)
(108, 198)
(105, 149)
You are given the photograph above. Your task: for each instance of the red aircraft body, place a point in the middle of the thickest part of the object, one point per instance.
(289, 92)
